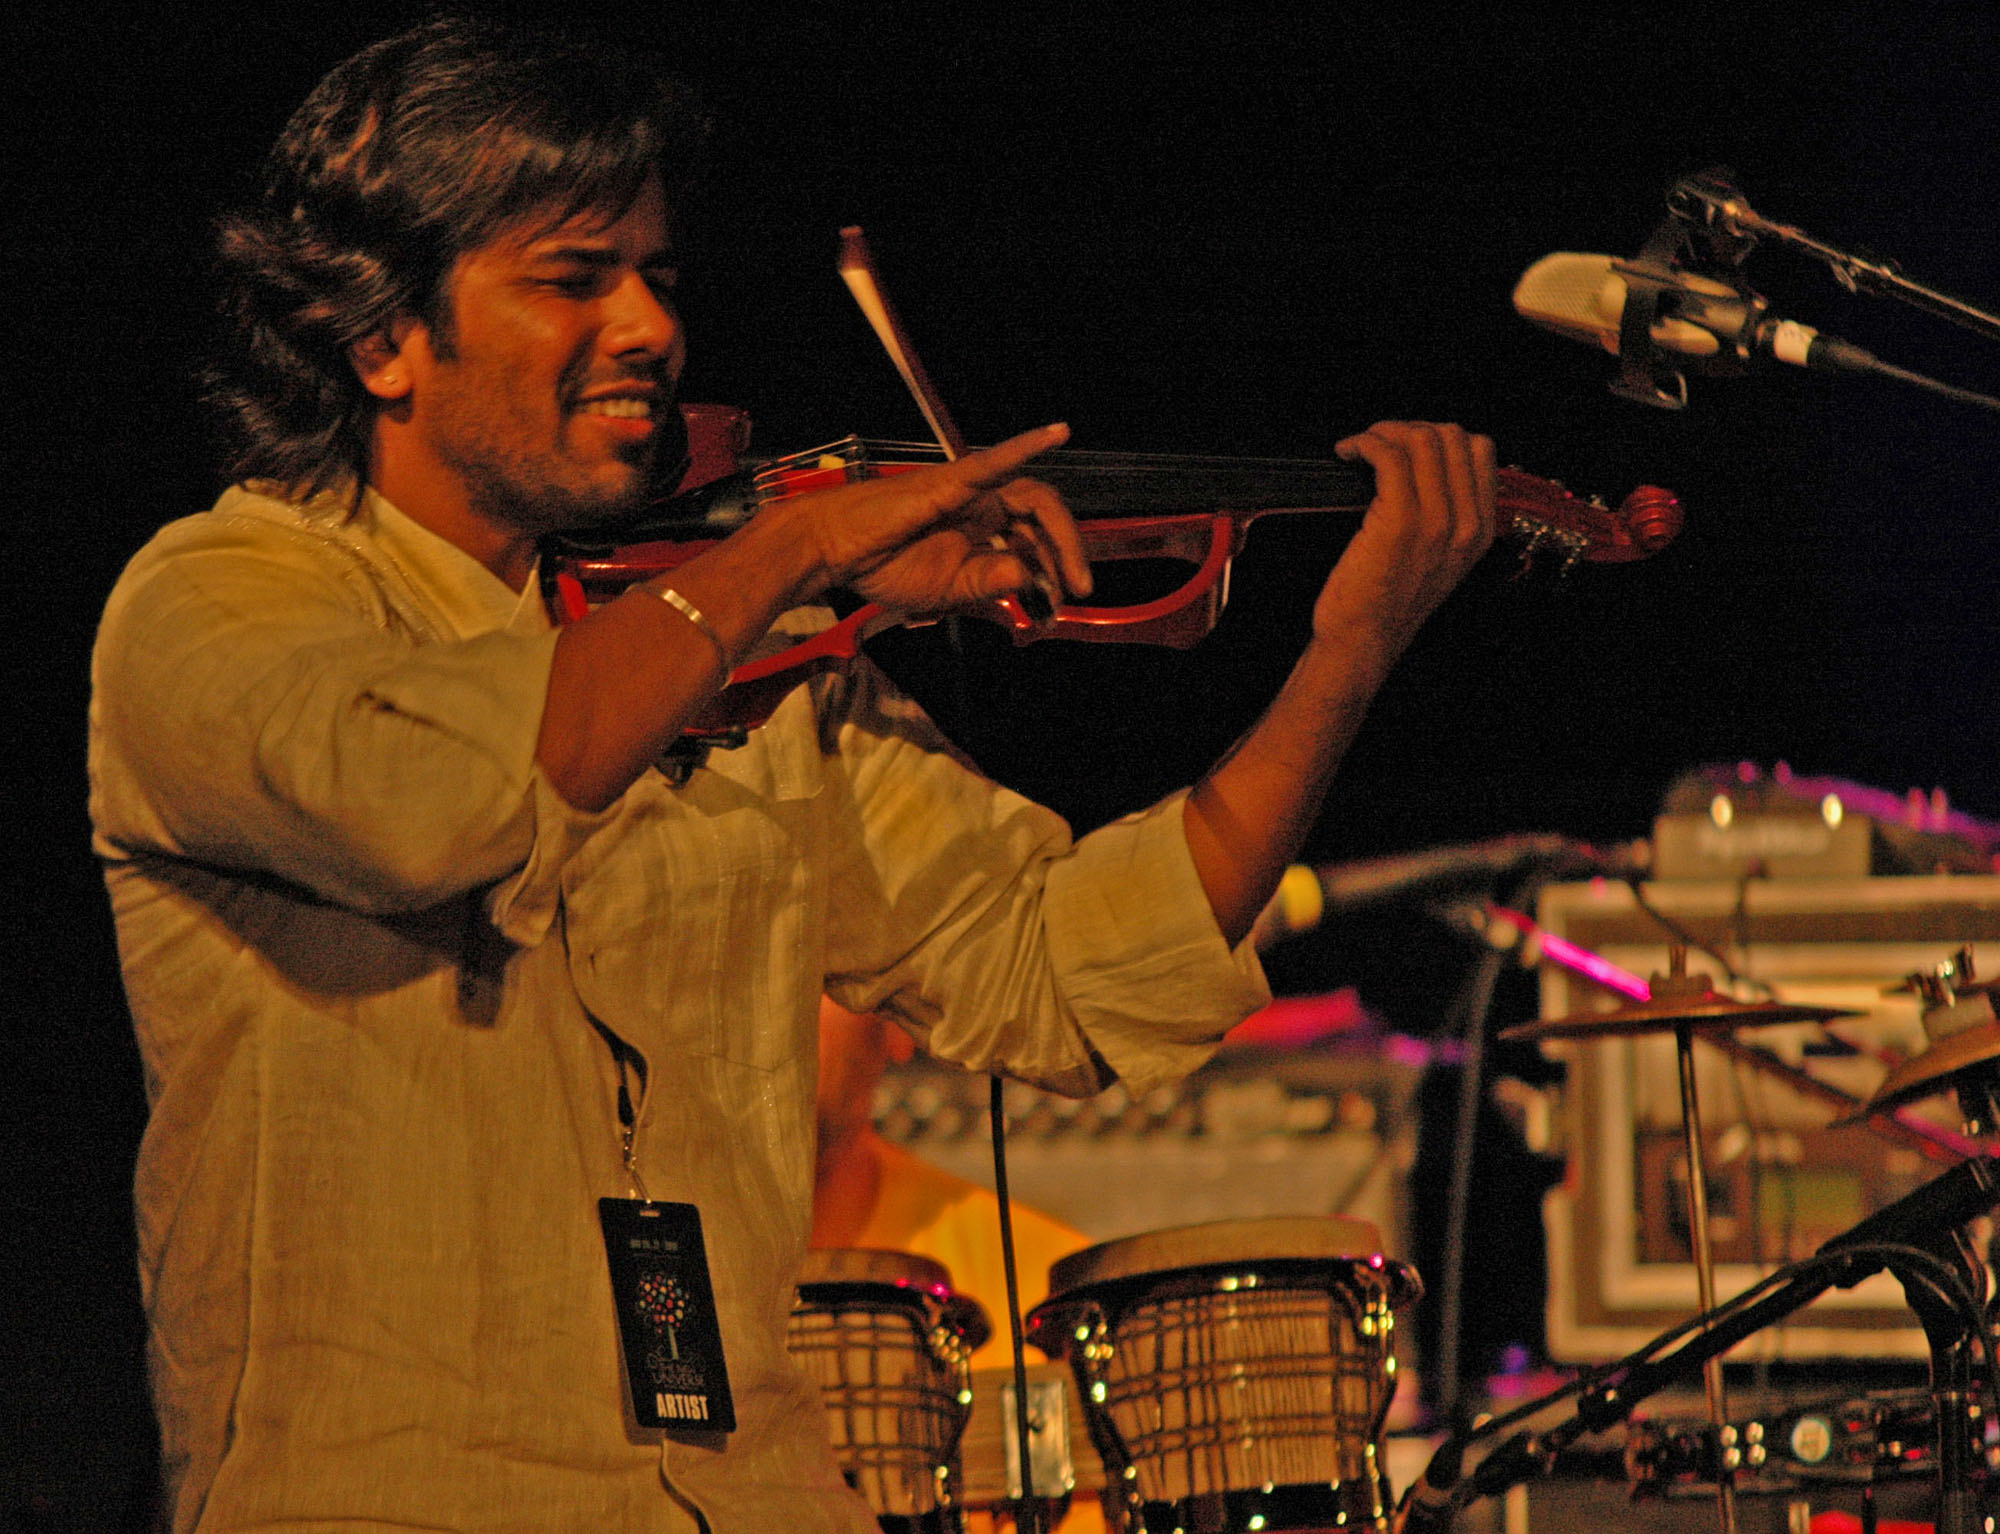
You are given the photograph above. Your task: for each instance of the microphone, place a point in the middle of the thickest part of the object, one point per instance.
(1307, 896)
(1704, 323)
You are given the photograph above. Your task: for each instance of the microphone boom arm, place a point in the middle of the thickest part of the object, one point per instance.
(1719, 208)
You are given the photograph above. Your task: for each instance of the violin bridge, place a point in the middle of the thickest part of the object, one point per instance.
(846, 458)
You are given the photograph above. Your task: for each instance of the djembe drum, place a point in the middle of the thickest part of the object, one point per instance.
(889, 1344)
(1235, 1375)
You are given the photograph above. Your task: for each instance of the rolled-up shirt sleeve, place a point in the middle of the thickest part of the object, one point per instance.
(1002, 944)
(1145, 966)
(288, 722)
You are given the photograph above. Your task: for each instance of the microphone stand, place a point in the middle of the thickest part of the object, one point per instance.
(1670, 266)
(1842, 1263)
(1713, 204)
(1476, 1002)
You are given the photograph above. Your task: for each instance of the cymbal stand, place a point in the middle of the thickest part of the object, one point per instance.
(1704, 1250)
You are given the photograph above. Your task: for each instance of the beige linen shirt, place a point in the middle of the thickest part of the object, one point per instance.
(364, 944)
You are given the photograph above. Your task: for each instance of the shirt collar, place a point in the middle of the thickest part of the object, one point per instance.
(470, 597)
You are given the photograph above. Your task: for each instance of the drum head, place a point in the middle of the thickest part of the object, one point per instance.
(1289, 1238)
(837, 1274)
(867, 1265)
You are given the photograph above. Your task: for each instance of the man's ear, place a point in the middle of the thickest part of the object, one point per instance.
(385, 361)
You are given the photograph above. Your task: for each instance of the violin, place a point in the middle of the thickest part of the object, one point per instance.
(1192, 511)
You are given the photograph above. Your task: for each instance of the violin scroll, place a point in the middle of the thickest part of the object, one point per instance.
(1654, 516)
(1540, 514)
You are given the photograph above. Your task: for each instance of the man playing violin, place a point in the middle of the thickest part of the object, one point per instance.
(425, 956)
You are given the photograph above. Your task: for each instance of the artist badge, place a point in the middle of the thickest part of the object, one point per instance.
(666, 1315)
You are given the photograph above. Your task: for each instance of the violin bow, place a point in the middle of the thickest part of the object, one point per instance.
(857, 270)
(1040, 599)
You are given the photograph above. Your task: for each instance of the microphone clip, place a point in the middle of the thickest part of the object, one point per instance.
(1710, 207)
(1641, 376)
(1667, 264)
(1648, 276)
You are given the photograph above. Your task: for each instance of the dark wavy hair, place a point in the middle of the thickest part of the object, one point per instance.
(406, 157)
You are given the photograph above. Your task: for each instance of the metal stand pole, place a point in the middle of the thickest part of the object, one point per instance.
(1704, 1256)
(1478, 1000)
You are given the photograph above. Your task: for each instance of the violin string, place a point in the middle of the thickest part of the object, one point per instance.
(1154, 463)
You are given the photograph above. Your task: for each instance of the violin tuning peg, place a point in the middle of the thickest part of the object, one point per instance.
(1534, 535)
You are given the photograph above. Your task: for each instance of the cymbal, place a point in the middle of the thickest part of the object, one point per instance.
(1708, 1013)
(1929, 1073)
(1679, 1000)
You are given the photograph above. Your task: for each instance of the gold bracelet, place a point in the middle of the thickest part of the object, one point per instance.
(694, 615)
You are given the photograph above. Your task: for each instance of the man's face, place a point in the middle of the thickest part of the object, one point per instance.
(543, 406)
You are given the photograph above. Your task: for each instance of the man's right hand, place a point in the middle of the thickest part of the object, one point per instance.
(628, 678)
(944, 537)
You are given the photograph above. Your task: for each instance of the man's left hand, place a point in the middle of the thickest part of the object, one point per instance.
(1434, 514)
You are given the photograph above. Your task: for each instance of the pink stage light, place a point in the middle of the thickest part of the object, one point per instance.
(1590, 965)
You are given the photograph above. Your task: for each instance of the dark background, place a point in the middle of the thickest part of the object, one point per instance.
(1221, 234)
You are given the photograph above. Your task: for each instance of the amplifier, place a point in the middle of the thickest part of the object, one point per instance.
(1733, 822)
(1783, 846)
(1261, 1133)
(1782, 1174)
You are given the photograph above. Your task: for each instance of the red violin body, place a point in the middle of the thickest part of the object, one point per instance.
(1192, 511)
